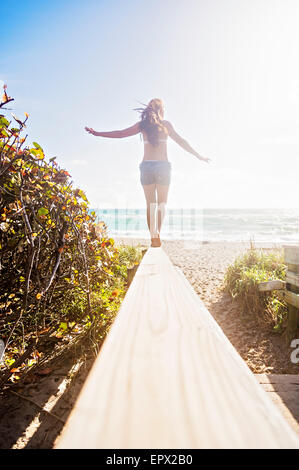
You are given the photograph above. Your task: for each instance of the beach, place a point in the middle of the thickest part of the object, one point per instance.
(204, 265)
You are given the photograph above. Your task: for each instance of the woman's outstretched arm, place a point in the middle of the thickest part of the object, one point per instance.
(182, 142)
(116, 134)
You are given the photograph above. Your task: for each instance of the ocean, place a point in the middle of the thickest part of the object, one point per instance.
(259, 225)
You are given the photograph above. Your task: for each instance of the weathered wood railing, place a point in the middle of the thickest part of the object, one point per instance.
(288, 289)
(167, 377)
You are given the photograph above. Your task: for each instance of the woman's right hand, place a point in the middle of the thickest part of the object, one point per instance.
(90, 130)
(204, 159)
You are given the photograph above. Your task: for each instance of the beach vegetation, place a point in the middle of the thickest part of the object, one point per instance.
(242, 279)
(62, 277)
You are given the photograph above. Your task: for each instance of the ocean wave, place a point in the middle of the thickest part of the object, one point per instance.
(266, 225)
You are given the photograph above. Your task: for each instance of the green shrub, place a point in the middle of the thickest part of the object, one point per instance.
(129, 255)
(59, 271)
(242, 279)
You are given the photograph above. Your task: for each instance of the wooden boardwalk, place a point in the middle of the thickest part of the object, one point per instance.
(167, 377)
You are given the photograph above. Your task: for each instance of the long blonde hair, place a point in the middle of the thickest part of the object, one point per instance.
(151, 120)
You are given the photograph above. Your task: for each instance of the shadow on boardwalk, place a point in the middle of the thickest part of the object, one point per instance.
(23, 424)
(284, 391)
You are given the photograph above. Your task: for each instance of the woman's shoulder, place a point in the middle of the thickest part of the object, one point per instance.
(167, 124)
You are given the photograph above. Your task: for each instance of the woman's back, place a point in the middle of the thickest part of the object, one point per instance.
(155, 152)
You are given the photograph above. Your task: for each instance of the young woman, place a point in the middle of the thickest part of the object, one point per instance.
(155, 169)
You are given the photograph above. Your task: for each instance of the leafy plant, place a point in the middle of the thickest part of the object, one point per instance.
(242, 279)
(59, 272)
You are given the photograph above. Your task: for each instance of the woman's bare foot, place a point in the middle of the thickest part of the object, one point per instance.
(156, 242)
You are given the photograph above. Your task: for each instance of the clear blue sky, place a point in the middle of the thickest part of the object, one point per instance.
(227, 71)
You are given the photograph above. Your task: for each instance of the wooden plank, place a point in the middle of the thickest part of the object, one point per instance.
(271, 285)
(167, 377)
(291, 254)
(292, 278)
(280, 381)
(283, 389)
(292, 324)
(292, 299)
(292, 247)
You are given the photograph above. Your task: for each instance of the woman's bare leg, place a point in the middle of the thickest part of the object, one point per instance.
(151, 206)
(162, 194)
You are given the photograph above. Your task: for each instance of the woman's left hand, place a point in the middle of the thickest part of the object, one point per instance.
(90, 130)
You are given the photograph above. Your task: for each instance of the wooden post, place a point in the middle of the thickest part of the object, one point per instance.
(271, 285)
(291, 258)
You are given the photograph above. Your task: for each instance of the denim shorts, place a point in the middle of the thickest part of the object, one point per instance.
(155, 171)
